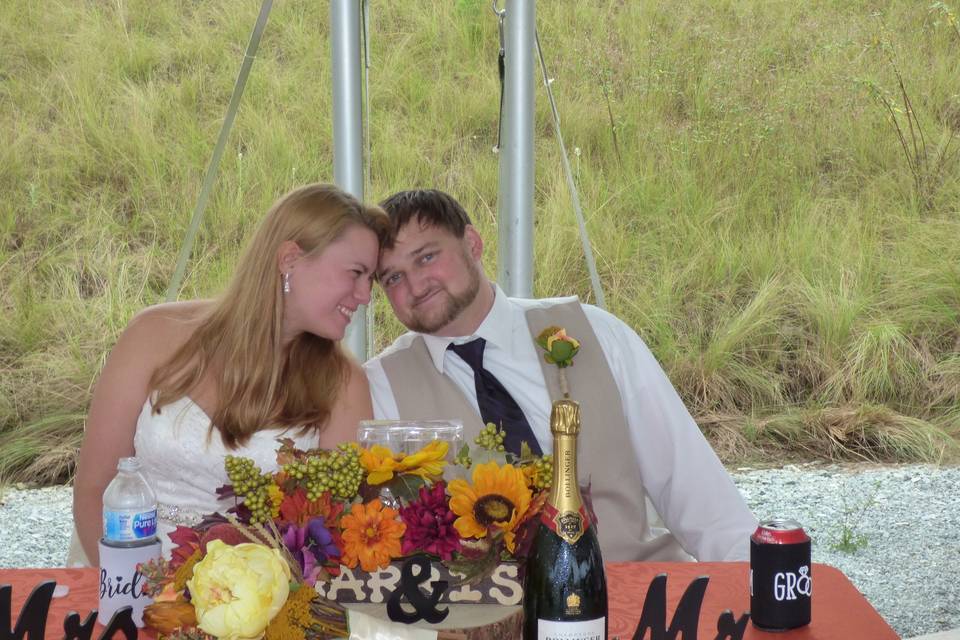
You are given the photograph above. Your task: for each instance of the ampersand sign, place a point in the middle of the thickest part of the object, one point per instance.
(425, 607)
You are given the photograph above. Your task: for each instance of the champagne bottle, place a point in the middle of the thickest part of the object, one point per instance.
(565, 591)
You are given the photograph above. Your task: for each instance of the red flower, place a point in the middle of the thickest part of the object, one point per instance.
(430, 524)
(296, 509)
(187, 541)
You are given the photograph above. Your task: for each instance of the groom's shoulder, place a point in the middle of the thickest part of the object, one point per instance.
(402, 343)
(543, 303)
(597, 317)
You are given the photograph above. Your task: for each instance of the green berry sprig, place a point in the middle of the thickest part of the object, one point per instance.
(491, 438)
(464, 460)
(250, 484)
(543, 472)
(337, 471)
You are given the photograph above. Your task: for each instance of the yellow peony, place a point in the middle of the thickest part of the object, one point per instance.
(237, 590)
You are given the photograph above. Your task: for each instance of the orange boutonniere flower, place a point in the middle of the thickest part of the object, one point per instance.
(560, 350)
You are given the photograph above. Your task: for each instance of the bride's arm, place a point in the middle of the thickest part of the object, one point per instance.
(352, 406)
(111, 424)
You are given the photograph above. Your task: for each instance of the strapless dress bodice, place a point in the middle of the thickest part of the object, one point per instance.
(183, 458)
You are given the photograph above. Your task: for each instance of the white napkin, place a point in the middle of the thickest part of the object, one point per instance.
(364, 627)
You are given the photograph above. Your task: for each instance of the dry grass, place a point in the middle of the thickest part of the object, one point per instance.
(752, 211)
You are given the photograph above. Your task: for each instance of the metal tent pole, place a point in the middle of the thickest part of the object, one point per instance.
(515, 259)
(213, 167)
(347, 128)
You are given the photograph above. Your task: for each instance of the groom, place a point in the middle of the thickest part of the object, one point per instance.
(470, 354)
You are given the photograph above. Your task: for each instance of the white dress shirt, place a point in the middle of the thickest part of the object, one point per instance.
(689, 488)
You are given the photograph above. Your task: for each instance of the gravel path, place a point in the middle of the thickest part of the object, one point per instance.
(905, 521)
(908, 518)
(35, 526)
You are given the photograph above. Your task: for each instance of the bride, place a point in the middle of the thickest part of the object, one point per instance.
(190, 382)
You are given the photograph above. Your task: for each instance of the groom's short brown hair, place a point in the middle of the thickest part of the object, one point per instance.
(431, 207)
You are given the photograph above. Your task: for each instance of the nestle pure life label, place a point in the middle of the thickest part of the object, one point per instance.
(125, 525)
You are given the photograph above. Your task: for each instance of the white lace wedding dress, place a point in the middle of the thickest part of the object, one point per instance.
(183, 461)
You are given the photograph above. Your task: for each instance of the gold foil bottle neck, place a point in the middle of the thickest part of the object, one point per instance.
(565, 418)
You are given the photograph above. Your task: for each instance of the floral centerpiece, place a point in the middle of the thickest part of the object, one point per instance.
(259, 569)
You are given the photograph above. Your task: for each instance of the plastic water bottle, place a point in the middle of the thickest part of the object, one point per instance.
(129, 540)
(129, 508)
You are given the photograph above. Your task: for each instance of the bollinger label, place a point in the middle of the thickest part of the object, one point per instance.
(580, 630)
(569, 525)
(564, 513)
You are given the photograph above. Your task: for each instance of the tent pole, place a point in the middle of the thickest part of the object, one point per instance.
(348, 129)
(515, 206)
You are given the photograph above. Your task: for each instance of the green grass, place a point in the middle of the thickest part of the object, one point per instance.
(762, 226)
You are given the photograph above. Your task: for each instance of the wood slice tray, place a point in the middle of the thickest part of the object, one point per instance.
(465, 622)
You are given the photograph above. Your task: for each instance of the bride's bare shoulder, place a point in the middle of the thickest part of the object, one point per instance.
(164, 327)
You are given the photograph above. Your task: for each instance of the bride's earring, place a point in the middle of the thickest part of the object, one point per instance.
(286, 283)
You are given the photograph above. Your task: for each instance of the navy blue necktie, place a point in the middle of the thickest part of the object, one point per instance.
(496, 403)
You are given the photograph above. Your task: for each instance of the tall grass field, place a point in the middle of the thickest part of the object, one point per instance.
(772, 190)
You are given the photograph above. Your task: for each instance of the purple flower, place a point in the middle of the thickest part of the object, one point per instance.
(311, 545)
(430, 524)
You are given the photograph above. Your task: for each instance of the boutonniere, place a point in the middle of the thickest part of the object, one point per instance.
(560, 350)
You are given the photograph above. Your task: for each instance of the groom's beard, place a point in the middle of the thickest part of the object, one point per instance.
(431, 321)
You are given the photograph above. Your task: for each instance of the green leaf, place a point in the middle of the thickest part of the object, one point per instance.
(406, 487)
(562, 351)
(526, 453)
(483, 456)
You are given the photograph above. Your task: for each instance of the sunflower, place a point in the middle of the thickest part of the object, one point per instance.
(371, 535)
(497, 499)
(381, 463)
(427, 462)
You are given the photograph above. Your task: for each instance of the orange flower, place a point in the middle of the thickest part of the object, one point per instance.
(169, 616)
(371, 535)
(169, 593)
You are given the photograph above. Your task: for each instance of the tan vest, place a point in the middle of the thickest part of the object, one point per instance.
(605, 453)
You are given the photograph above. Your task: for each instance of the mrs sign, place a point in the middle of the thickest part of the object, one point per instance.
(32, 621)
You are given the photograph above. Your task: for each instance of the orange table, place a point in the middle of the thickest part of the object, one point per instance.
(839, 610)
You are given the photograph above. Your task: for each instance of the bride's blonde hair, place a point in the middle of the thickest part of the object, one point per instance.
(261, 383)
